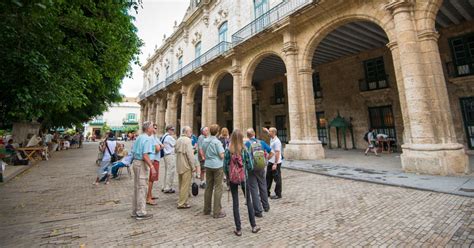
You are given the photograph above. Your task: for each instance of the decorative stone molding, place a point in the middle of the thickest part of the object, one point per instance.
(305, 70)
(205, 17)
(428, 35)
(167, 63)
(395, 6)
(392, 45)
(197, 38)
(164, 38)
(179, 53)
(290, 48)
(235, 70)
(221, 17)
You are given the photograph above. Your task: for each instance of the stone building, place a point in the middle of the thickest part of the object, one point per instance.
(403, 67)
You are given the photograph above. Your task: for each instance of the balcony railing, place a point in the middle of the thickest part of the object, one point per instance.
(269, 18)
(277, 13)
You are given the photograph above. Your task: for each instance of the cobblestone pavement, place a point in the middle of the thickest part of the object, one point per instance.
(55, 204)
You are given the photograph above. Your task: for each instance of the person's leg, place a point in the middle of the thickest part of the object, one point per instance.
(164, 182)
(186, 182)
(109, 172)
(262, 188)
(136, 178)
(181, 198)
(171, 171)
(278, 186)
(269, 178)
(250, 208)
(144, 173)
(218, 180)
(253, 190)
(208, 192)
(149, 197)
(234, 189)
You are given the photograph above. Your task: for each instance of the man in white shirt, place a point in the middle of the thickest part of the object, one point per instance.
(274, 163)
(169, 159)
(106, 164)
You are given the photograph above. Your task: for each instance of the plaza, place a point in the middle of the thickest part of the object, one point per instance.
(55, 204)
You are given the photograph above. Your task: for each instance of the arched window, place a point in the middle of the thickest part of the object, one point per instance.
(223, 32)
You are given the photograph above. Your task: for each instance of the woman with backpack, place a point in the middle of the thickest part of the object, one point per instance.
(237, 164)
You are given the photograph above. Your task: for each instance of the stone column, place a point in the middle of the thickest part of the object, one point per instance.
(303, 143)
(171, 107)
(142, 112)
(161, 116)
(430, 146)
(205, 101)
(240, 99)
(184, 107)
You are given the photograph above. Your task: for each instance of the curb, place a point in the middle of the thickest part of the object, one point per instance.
(380, 183)
(17, 173)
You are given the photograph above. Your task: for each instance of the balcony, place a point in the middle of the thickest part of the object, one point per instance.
(126, 121)
(460, 69)
(269, 18)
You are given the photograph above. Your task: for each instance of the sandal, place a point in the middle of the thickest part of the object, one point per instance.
(151, 203)
(155, 198)
(255, 229)
(238, 232)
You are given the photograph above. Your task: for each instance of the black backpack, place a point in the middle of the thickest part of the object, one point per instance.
(366, 136)
(162, 151)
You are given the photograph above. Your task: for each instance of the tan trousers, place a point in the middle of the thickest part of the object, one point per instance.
(170, 170)
(184, 181)
(141, 173)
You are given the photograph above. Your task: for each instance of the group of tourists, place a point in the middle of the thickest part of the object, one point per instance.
(214, 157)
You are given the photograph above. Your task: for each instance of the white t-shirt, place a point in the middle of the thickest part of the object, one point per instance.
(169, 144)
(111, 144)
(275, 144)
(48, 138)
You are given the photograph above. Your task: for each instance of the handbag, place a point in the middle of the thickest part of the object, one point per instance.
(194, 188)
(113, 156)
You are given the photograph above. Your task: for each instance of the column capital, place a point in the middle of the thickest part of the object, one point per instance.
(397, 6)
(392, 45)
(184, 90)
(428, 35)
(290, 48)
(235, 70)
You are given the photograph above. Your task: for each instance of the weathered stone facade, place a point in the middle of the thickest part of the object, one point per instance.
(409, 40)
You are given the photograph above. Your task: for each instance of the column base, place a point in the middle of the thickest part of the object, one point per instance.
(435, 159)
(304, 150)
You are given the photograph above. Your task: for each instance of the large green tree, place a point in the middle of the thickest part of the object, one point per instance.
(62, 62)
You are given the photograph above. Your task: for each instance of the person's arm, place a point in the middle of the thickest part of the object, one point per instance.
(268, 149)
(190, 155)
(220, 150)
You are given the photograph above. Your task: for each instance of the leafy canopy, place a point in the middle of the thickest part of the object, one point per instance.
(62, 62)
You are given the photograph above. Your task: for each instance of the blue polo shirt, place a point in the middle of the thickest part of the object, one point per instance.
(143, 145)
(212, 148)
(154, 155)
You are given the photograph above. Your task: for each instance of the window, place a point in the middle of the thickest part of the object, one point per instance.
(131, 116)
(467, 107)
(260, 8)
(381, 119)
(180, 62)
(223, 32)
(197, 53)
(317, 86)
(280, 125)
(279, 93)
(375, 77)
(321, 123)
(228, 103)
(463, 55)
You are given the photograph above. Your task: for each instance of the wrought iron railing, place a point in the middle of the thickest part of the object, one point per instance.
(267, 19)
(277, 13)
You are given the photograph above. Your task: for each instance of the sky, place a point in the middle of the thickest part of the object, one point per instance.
(155, 19)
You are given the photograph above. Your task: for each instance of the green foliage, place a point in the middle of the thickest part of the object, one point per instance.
(63, 61)
(105, 128)
(130, 129)
(70, 131)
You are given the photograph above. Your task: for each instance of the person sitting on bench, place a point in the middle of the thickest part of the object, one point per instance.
(124, 162)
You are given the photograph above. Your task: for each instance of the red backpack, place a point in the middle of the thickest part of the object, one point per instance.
(236, 172)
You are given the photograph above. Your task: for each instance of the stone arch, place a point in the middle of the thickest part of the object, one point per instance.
(215, 80)
(191, 92)
(426, 14)
(254, 62)
(332, 24)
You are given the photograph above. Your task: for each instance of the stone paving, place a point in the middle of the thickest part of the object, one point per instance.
(55, 204)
